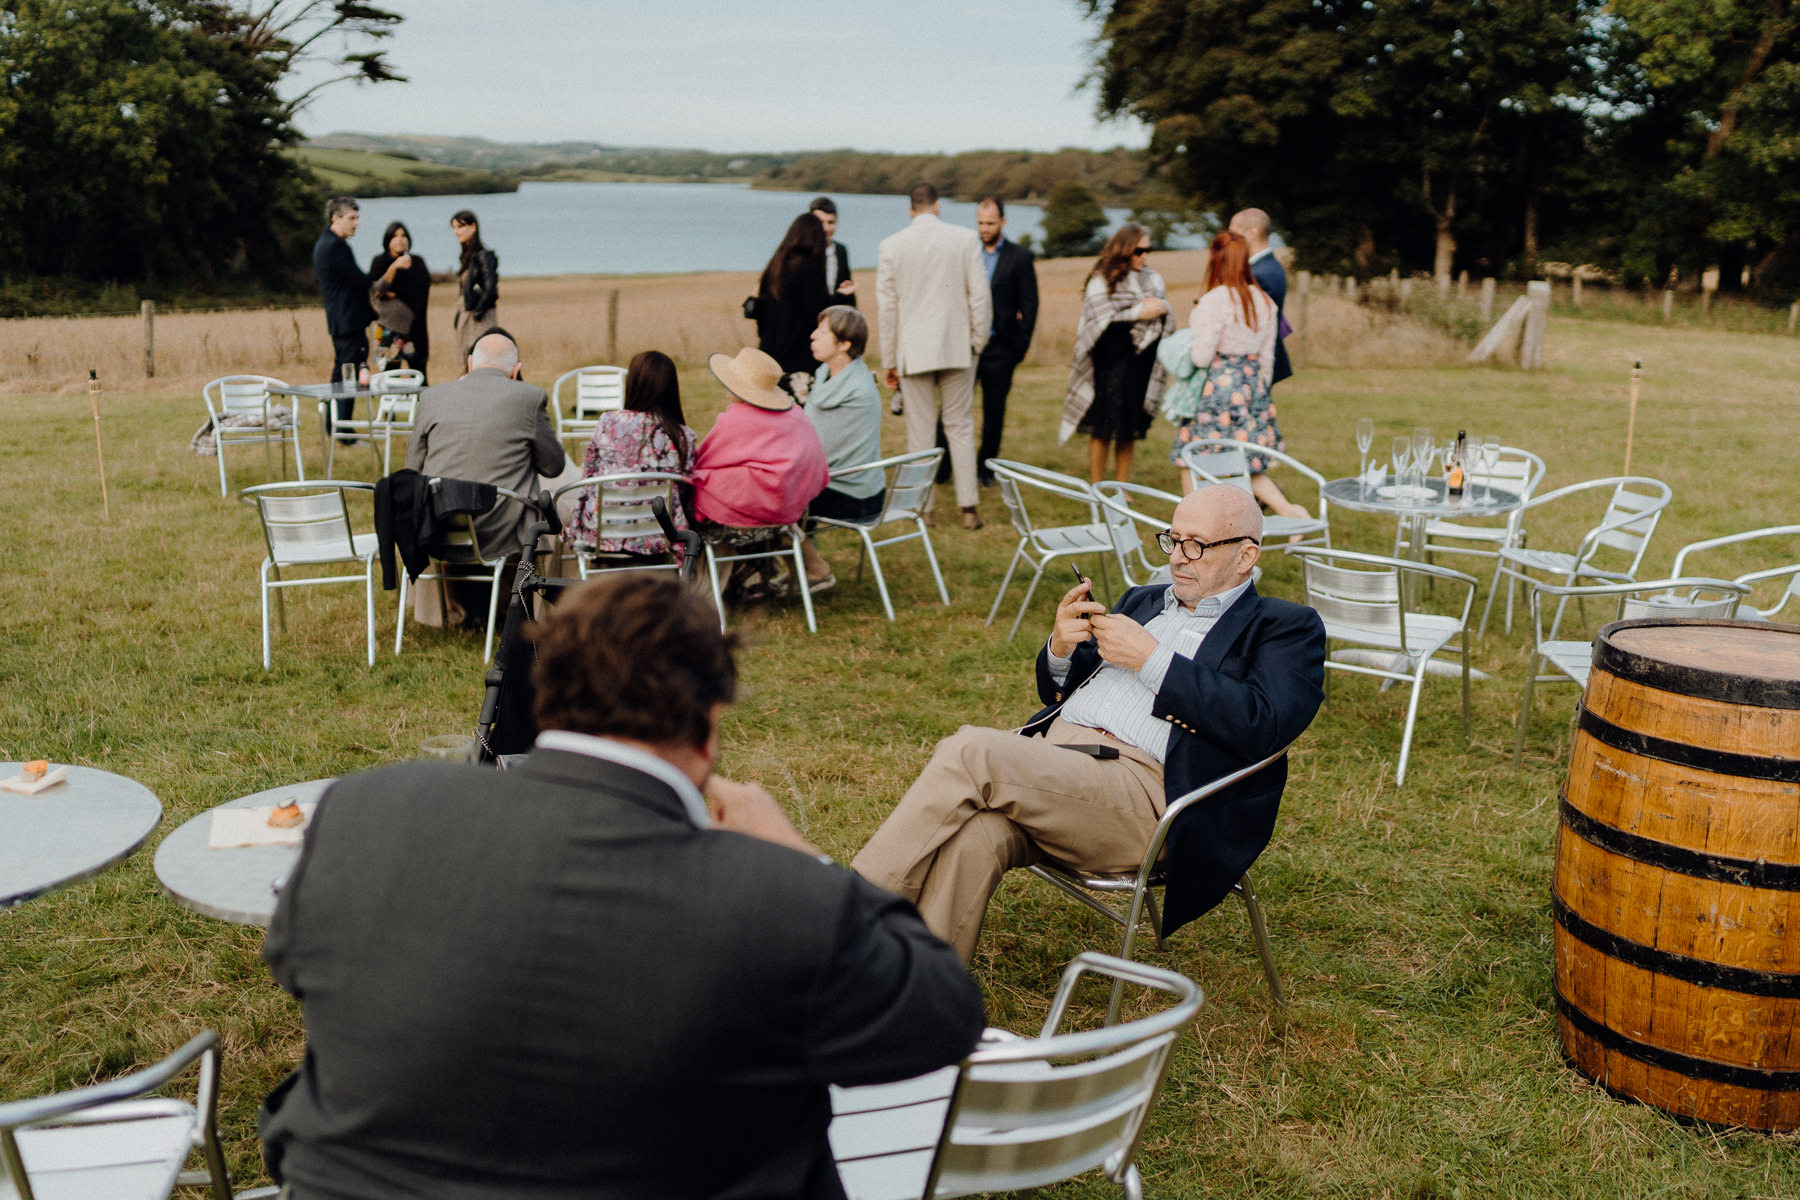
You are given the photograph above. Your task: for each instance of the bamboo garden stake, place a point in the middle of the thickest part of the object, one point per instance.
(99, 451)
(1637, 373)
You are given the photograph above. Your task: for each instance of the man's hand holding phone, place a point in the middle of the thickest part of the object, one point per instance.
(1072, 613)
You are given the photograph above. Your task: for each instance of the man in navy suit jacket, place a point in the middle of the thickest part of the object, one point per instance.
(1182, 683)
(1252, 224)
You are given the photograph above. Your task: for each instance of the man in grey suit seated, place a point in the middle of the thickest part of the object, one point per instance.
(487, 427)
(605, 972)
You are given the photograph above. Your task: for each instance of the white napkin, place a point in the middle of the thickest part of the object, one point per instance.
(235, 827)
(1377, 476)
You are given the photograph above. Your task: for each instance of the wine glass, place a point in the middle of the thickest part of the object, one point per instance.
(1472, 467)
(1490, 454)
(1365, 437)
(1402, 457)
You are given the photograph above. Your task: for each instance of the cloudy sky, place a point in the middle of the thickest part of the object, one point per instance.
(902, 75)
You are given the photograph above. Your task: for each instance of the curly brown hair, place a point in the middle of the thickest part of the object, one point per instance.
(1116, 259)
(633, 656)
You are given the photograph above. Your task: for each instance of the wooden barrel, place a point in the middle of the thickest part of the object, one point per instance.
(1677, 885)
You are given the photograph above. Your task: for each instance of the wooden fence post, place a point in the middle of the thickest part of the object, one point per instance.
(1487, 300)
(612, 326)
(1297, 343)
(1575, 289)
(1793, 315)
(1350, 288)
(148, 309)
(1405, 292)
(1668, 303)
(1462, 285)
(1531, 352)
(1443, 287)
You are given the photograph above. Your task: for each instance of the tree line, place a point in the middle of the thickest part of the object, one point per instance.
(1654, 139)
(147, 139)
(1113, 176)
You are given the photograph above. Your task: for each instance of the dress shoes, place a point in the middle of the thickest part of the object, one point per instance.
(971, 518)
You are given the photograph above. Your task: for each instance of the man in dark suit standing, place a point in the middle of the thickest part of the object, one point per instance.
(345, 289)
(837, 259)
(605, 972)
(1252, 224)
(1012, 282)
(1179, 685)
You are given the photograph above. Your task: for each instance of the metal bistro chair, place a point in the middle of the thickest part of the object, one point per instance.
(307, 525)
(593, 390)
(396, 408)
(1791, 571)
(1226, 460)
(908, 487)
(1150, 875)
(1569, 660)
(115, 1141)
(796, 571)
(1018, 1112)
(1633, 508)
(1122, 504)
(1363, 601)
(622, 510)
(242, 397)
(459, 544)
(1040, 546)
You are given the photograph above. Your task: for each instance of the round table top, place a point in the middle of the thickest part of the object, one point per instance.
(331, 391)
(236, 884)
(70, 831)
(1480, 500)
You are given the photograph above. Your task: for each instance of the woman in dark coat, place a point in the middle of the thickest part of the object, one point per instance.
(479, 277)
(400, 286)
(792, 295)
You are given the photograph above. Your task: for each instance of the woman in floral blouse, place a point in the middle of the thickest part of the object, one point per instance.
(649, 434)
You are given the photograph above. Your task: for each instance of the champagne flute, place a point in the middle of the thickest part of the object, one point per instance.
(1365, 437)
(1421, 443)
(1490, 453)
(1472, 468)
(1402, 457)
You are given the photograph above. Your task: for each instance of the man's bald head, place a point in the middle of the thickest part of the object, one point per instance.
(1214, 514)
(1252, 224)
(494, 350)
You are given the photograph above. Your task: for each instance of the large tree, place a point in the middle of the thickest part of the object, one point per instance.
(144, 138)
(1376, 133)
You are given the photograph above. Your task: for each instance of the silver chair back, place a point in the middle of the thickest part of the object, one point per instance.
(911, 486)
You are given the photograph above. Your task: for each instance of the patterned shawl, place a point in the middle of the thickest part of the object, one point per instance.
(1096, 314)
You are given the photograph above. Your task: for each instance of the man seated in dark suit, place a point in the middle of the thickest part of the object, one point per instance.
(1182, 682)
(605, 972)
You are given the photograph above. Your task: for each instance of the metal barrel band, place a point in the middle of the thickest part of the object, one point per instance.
(1781, 877)
(1696, 971)
(1755, 1078)
(1681, 679)
(1683, 754)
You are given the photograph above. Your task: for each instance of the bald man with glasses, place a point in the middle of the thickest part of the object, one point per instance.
(1180, 684)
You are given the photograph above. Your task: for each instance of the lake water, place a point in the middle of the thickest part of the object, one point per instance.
(633, 228)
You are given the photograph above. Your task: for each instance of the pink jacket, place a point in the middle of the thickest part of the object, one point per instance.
(758, 467)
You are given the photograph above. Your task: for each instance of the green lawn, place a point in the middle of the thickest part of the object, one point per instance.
(1419, 1056)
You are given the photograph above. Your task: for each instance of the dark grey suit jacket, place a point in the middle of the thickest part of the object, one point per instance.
(546, 982)
(1015, 292)
(1273, 280)
(488, 429)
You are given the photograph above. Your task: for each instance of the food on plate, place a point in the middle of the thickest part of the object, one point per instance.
(34, 771)
(287, 816)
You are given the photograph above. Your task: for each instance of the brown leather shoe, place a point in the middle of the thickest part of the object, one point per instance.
(971, 518)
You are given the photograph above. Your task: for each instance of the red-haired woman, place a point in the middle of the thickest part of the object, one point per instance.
(1116, 383)
(1234, 344)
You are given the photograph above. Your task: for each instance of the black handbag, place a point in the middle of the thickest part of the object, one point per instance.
(752, 308)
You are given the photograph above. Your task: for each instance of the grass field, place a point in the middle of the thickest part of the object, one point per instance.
(1418, 1057)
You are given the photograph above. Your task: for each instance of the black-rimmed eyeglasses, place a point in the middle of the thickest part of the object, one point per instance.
(1193, 548)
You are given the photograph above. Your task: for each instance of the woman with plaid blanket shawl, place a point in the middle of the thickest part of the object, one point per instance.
(1116, 384)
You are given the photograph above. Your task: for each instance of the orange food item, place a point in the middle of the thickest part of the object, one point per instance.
(287, 816)
(34, 771)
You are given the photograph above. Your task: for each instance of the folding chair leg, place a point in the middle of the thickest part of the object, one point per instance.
(400, 616)
(1253, 907)
(1525, 710)
(1025, 603)
(219, 450)
(1487, 610)
(875, 565)
(1464, 638)
(1155, 915)
(369, 606)
(796, 536)
(265, 613)
(1412, 717)
(712, 573)
(500, 574)
(936, 575)
(1006, 582)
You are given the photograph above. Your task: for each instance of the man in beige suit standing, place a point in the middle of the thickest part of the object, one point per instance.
(932, 300)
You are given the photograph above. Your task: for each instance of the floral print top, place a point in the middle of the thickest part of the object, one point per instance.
(631, 441)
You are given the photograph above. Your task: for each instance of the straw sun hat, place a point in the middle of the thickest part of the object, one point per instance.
(752, 377)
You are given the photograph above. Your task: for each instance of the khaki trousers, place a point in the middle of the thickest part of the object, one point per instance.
(990, 801)
(953, 392)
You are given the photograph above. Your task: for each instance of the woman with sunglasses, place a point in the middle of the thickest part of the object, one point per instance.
(1234, 326)
(1116, 383)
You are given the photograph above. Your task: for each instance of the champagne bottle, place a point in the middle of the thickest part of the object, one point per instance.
(1454, 470)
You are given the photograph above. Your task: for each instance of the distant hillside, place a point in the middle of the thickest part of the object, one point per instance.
(370, 173)
(558, 160)
(1115, 176)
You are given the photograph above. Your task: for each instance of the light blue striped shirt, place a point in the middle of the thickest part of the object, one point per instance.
(1119, 701)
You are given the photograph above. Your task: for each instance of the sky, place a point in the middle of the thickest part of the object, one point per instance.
(916, 76)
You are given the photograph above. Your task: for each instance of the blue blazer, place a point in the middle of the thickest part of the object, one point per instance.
(1273, 280)
(1252, 688)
